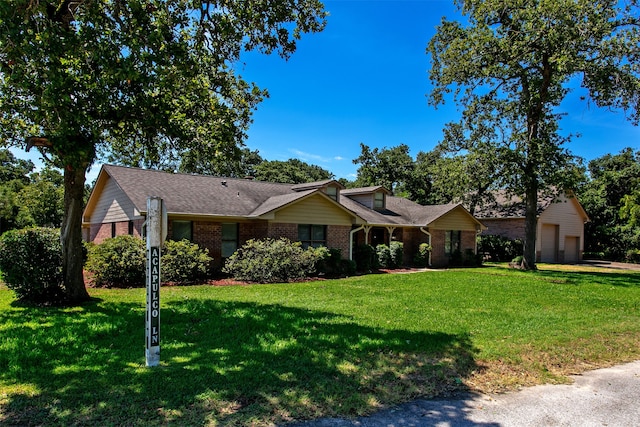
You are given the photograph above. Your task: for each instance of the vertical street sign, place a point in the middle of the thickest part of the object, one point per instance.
(156, 232)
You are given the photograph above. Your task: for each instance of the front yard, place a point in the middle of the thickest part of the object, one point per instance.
(264, 354)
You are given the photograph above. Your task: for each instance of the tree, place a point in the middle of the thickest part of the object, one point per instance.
(292, 171)
(611, 201)
(389, 167)
(14, 176)
(510, 66)
(79, 78)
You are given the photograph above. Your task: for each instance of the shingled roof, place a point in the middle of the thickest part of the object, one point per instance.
(505, 205)
(188, 194)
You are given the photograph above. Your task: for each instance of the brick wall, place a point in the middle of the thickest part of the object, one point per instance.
(276, 230)
(438, 257)
(509, 228)
(99, 232)
(338, 238)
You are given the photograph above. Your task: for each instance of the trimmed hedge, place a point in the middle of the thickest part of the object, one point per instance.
(184, 262)
(121, 262)
(118, 262)
(31, 264)
(273, 261)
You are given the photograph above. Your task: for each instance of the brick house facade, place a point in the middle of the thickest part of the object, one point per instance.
(201, 208)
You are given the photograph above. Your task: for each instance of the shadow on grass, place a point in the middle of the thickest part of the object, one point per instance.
(222, 363)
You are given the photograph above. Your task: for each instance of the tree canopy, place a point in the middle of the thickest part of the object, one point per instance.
(511, 64)
(611, 198)
(292, 171)
(82, 78)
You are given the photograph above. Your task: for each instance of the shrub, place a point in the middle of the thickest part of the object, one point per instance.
(499, 248)
(397, 254)
(31, 264)
(118, 262)
(383, 254)
(366, 259)
(633, 256)
(273, 260)
(421, 258)
(331, 264)
(184, 262)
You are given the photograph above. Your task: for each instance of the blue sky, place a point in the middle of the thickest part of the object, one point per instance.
(365, 79)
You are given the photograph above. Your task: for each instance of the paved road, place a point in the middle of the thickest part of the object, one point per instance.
(605, 397)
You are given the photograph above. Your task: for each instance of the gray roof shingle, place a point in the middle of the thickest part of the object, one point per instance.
(188, 194)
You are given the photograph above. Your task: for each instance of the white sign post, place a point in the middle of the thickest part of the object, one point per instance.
(156, 233)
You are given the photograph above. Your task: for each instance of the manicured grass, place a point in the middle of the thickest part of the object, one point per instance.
(264, 354)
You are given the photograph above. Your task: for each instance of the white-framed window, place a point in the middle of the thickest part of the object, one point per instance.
(333, 193)
(378, 200)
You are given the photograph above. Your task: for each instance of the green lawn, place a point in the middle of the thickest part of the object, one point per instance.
(263, 354)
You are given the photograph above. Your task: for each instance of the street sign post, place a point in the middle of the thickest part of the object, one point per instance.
(156, 232)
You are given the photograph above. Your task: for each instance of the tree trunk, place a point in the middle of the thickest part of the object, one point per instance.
(71, 235)
(530, 225)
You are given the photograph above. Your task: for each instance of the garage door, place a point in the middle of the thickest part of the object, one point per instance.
(549, 243)
(571, 249)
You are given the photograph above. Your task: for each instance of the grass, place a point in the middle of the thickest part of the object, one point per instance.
(268, 354)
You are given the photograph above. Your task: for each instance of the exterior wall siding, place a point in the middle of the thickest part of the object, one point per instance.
(455, 220)
(113, 206)
(314, 210)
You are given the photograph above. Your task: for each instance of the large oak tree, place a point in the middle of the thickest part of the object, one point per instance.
(79, 78)
(511, 64)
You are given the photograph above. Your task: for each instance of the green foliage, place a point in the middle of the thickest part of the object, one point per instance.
(421, 259)
(396, 250)
(366, 258)
(390, 256)
(383, 253)
(610, 199)
(31, 264)
(184, 262)
(118, 262)
(292, 171)
(499, 248)
(389, 167)
(273, 260)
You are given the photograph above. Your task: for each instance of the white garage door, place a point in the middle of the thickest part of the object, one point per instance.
(571, 249)
(549, 243)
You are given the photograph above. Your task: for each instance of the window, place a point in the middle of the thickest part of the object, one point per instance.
(130, 228)
(312, 235)
(333, 193)
(378, 201)
(113, 229)
(229, 239)
(181, 230)
(451, 241)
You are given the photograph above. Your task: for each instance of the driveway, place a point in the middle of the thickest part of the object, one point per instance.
(604, 397)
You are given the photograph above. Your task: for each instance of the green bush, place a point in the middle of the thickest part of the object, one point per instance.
(499, 248)
(421, 259)
(366, 259)
(273, 260)
(184, 262)
(118, 262)
(633, 256)
(396, 250)
(31, 264)
(383, 253)
(331, 264)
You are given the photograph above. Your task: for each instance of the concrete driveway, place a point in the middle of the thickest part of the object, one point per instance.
(604, 397)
